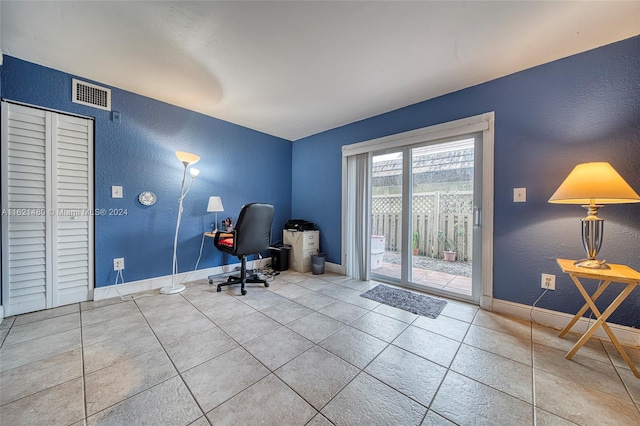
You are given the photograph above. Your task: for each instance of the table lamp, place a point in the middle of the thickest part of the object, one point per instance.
(593, 185)
(187, 159)
(215, 205)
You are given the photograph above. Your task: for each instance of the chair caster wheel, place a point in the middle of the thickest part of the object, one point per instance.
(210, 281)
(243, 292)
(266, 284)
(219, 289)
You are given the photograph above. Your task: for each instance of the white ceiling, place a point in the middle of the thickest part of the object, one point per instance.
(292, 69)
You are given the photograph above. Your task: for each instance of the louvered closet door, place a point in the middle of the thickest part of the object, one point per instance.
(47, 234)
(73, 223)
(24, 209)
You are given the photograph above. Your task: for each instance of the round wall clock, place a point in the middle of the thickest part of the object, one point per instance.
(147, 198)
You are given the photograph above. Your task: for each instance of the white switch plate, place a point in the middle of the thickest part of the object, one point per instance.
(116, 192)
(519, 195)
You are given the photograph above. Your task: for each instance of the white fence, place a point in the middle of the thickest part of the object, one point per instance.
(436, 217)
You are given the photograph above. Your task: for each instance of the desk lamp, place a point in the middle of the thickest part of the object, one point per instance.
(215, 205)
(187, 160)
(592, 185)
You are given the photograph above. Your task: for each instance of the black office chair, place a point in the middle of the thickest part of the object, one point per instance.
(252, 235)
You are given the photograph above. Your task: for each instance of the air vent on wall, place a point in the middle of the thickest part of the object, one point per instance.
(91, 95)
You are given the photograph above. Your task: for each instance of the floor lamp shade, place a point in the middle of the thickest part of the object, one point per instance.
(187, 158)
(215, 205)
(592, 185)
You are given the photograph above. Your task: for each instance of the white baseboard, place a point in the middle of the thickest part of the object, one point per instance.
(486, 303)
(628, 336)
(333, 267)
(132, 287)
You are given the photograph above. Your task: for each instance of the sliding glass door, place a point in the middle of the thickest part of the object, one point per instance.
(425, 230)
(417, 209)
(386, 215)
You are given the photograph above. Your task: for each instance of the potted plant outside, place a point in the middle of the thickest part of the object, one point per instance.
(451, 244)
(416, 243)
(449, 255)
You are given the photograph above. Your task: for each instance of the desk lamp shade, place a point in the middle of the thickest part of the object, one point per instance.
(215, 205)
(593, 185)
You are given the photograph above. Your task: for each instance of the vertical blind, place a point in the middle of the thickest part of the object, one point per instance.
(357, 225)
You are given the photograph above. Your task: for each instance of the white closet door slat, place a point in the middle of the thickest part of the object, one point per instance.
(28, 270)
(26, 144)
(72, 153)
(25, 263)
(17, 161)
(72, 145)
(29, 134)
(20, 114)
(26, 177)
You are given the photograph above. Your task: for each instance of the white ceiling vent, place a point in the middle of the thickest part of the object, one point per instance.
(91, 95)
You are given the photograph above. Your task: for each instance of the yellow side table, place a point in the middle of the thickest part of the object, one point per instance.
(617, 273)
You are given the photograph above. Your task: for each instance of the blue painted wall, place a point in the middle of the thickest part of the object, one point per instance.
(548, 119)
(238, 164)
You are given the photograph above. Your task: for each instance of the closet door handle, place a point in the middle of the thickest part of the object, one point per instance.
(476, 216)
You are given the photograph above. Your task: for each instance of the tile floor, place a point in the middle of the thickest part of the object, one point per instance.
(435, 279)
(307, 351)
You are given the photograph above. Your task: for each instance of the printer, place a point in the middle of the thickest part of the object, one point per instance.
(299, 225)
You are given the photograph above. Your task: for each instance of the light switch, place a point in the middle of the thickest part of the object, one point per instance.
(519, 195)
(116, 192)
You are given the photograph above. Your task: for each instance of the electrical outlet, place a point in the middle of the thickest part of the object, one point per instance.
(118, 264)
(548, 281)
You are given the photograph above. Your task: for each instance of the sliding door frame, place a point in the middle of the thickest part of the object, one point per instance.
(480, 123)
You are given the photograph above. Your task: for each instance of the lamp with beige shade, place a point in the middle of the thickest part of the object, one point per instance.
(593, 185)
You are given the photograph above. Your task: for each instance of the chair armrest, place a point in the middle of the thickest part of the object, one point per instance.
(223, 235)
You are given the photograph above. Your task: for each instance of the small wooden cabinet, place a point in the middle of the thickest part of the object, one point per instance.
(303, 245)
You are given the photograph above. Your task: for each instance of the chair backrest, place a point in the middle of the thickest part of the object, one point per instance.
(253, 228)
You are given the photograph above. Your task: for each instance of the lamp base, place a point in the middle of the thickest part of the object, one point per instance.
(172, 290)
(592, 264)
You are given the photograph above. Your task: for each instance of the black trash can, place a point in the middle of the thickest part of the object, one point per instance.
(280, 257)
(317, 263)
